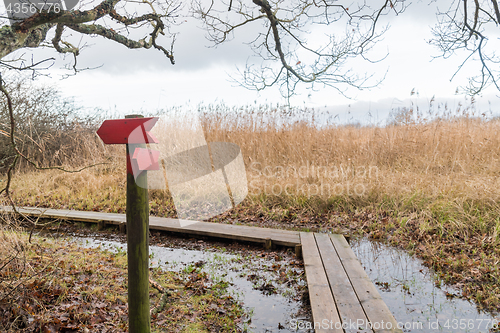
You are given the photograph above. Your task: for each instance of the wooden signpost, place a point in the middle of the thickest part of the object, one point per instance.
(134, 132)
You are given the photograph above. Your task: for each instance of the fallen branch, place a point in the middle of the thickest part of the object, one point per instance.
(163, 300)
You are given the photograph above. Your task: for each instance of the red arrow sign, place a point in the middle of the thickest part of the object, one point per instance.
(127, 131)
(146, 159)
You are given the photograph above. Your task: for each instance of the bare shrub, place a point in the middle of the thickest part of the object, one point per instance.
(50, 129)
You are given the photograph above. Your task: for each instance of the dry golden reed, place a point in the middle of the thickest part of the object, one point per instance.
(459, 157)
(443, 171)
(428, 185)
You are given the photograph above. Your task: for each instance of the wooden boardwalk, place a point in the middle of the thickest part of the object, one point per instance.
(342, 296)
(226, 231)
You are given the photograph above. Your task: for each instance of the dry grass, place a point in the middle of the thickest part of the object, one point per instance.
(49, 129)
(444, 171)
(430, 186)
(54, 285)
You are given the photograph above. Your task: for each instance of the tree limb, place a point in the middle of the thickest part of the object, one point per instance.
(469, 33)
(32, 31)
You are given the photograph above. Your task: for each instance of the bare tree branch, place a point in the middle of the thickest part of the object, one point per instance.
(32, 31)
(465, 27)
(497, 11)
(283, 40)
(18, 154)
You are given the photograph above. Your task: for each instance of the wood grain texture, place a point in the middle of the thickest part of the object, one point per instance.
(323, 305)
(374, 307)
(350, 310)
(339, 288)
(227, 231)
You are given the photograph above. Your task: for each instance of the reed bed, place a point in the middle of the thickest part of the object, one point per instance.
(443, 170)
(426, 183)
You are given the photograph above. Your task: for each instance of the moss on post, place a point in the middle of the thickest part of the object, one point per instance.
(137, 247)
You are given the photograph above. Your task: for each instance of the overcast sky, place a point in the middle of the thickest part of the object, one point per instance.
(131, 81)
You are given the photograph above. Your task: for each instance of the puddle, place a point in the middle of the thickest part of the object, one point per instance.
(408, 289)
(272, 307)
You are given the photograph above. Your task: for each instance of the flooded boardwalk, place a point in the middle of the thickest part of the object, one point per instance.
(342, 297)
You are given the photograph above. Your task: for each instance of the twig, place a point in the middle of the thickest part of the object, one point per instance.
(163, 300)
(157, 286)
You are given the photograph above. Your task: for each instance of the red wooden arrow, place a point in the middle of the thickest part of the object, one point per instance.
(146, 159)
(127, 131)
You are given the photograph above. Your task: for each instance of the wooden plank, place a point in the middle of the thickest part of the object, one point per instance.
(227, 231)
(351, 312)
(298, 251)
(258, 235)
(323, 305)
(376, 310)
(70, 214)
(335, 278)
(255, 232)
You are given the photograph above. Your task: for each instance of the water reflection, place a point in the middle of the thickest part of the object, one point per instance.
(408, 289)
(269, 311)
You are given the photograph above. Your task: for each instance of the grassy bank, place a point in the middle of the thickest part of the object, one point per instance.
(428, 186)
(52, 285)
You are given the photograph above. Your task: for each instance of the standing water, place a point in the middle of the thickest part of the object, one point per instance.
(409, 290)
(271, 301)
(406, 286)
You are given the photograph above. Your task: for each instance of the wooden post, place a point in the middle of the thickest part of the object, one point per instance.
(298, 251)
(121, 131)
(268, 244)
(137, 246)
(101, 225)
(122, 227)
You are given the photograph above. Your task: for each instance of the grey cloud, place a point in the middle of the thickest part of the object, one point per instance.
(191, 51)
